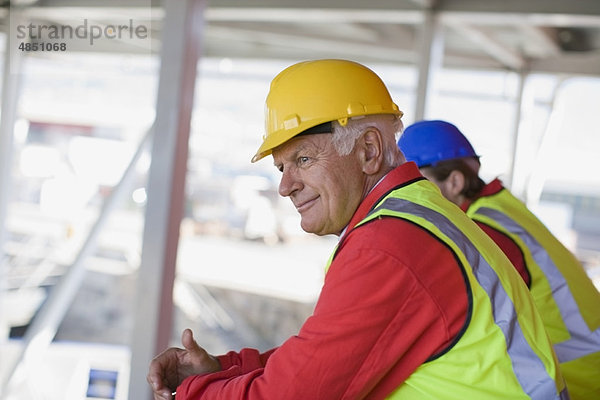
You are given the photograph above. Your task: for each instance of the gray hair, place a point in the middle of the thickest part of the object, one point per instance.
(390, 126)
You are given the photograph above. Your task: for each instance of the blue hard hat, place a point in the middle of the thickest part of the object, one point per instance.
(429, 142)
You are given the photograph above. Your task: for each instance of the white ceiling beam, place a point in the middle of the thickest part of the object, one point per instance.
(489, 45)
(579, 64)
(309, 44)
(309, 15)
(101, 3)
(427, 4)
(77, 13)
(542, 39)
(289, 4)
(534, 19)
(566, 7)
(546, 7)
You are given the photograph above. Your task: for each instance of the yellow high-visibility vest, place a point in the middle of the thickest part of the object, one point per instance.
(565, 296)
(503, 351)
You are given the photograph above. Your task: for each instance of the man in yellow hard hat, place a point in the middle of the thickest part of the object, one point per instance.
(565, 296)
(417, 303)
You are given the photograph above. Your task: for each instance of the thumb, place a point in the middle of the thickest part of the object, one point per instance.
(187, 339)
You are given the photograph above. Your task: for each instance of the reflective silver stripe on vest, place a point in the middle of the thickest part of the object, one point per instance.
(582, 341)
(528, 368)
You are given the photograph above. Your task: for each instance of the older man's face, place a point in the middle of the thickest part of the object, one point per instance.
(326, 188)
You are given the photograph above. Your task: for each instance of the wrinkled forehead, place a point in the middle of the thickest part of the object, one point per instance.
(302, 145)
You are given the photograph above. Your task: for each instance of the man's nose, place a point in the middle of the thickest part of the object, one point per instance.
(288, 184)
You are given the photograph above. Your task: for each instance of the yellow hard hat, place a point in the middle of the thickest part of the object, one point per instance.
(311, 93)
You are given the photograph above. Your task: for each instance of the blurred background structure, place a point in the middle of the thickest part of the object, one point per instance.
(129, 209)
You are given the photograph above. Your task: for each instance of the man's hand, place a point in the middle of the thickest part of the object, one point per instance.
(172, 366)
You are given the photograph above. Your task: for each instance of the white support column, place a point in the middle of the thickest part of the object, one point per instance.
(547, 150)
(513, 151)
(431, 54)
(11, 77)
(182, 34)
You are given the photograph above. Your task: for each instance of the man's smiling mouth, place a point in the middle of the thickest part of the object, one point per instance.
(305, 205)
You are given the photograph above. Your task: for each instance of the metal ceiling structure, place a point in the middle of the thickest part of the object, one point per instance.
(555, 36)
(545, 36)
(541, 36)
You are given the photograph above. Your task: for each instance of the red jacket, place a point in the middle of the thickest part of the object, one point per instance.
(393, 297)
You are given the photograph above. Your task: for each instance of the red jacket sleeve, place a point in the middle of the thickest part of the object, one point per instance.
(247, 359)
(393, 297)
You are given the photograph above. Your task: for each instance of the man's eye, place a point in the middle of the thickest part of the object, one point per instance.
(302, 160)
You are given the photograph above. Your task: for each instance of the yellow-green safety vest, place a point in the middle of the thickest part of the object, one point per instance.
(503, 351)
(565, 296)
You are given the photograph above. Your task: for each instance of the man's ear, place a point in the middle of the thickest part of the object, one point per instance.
(371, 151)
(454, 183)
